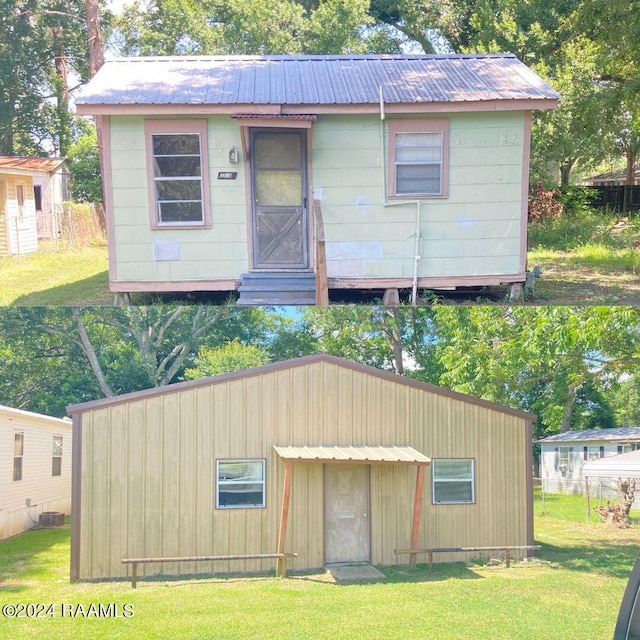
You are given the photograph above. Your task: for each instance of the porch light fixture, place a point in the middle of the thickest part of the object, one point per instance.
(233, 155)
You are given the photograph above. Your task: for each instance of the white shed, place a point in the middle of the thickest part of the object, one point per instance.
(35, 468)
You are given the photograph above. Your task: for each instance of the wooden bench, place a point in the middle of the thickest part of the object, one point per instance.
(430, 552)
(134, 562)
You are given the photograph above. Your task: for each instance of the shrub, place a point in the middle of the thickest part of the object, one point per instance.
(543, 204)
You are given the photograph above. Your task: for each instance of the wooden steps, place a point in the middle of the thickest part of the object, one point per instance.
(277, 288)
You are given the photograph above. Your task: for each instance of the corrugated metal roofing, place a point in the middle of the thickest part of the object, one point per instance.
(623, 465)
(41, 165)
(403, 455)
(623, 433)
(313, 80)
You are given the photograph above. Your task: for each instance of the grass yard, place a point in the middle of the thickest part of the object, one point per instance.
(574, 592)
(74, 276)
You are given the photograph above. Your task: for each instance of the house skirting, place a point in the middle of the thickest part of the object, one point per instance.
(15, 521)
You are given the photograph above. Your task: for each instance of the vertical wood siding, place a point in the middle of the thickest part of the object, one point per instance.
(157, 456)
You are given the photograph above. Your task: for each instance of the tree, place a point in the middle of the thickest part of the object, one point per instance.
(558, 362)
(84, 165)
(229, 357)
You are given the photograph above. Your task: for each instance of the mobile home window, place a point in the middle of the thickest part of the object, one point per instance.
(18, 452)
(418, 158)
(453, 481)
(176, 152)
(56, 460)
(240, 484)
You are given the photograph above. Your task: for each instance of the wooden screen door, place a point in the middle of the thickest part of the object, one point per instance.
(279, 187)
(346, 513)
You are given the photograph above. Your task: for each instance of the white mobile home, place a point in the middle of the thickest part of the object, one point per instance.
(35, 468)
(564, 454)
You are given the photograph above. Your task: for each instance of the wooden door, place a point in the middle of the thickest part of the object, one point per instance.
(346, 513)
(279, 188)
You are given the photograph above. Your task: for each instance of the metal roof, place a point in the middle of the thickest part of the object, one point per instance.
(623, 433)
(293, 363)
(38, 165)
(313, 80)
(623, 465)
(392, 455)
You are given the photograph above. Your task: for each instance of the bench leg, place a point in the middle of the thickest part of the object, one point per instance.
(134, 575)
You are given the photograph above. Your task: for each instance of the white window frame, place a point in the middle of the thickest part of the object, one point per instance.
(56, 457)
(18, 455)
(222, 482)
(177, 127)
(436, 481)
(398, 127)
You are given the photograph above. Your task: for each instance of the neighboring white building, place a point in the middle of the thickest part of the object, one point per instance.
(35, 468)
(563, 455)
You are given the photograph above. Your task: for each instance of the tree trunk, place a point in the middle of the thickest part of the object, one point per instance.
(89, 351)
(96, 60)
(630, 179)
(572, 392)
(62, 91)
(565, 172)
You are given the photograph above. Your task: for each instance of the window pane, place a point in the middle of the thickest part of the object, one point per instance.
(419, 178)
(278, 151)
(453, 481)
(18, 444)
(418, 147)
(180, 211)
(177, 166)
(240, 483)
(56, 467)
(279, 188)
(176, 144)
(17, 469)
(453, 492)
(178, 190)
(452, 470)
(57, 445)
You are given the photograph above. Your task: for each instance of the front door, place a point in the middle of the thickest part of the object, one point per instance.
(279, 199)
(346, 513)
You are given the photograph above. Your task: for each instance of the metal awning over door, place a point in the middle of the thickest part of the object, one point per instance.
(349, 455)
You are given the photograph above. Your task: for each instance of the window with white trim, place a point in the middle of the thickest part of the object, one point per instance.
(418, 158)
(56, 458)
(18, 453)
(240, 484)
(453, 481)
(176, 152)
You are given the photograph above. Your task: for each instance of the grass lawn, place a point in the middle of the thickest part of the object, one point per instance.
(574, 592)
(74, 276)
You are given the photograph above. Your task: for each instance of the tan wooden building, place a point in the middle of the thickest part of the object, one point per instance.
(319, 456)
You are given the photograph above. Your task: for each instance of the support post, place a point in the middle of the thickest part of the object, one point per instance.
(134, 575)
(281, 563)
(586, 495)
(417, 514)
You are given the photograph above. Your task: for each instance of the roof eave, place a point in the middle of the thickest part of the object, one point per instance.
(144, 109)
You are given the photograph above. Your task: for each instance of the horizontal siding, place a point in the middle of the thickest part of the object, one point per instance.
(21, 235)
(37, 484)
(159, 455)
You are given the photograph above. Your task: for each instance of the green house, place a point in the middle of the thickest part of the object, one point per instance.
(284, 176)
